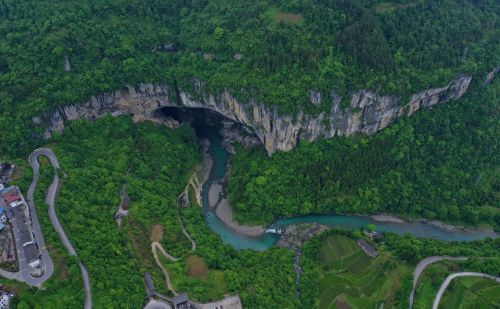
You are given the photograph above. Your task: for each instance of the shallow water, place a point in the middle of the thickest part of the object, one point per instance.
(221, 158)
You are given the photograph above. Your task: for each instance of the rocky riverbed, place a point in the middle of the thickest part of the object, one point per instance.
(293, 237)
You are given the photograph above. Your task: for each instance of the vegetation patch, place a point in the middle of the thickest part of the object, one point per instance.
(391, 7)
(356, 277)
(289, 18)
(471, 292)
(338, 274)
(157, 233)
(196, 266)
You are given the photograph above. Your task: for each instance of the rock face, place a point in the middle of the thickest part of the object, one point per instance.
(366, 114)
(491, 76)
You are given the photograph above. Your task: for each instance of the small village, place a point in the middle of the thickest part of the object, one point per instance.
(20, 254)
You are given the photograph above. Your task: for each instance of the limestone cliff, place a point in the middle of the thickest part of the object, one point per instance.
(367, 113)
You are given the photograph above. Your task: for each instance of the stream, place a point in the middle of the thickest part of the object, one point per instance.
(229, 236)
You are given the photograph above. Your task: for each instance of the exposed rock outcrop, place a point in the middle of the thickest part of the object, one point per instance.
(368, 112)
(491, 76)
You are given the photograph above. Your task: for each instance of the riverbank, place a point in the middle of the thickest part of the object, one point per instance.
(225, 212)
(387, 218)
(218, 203)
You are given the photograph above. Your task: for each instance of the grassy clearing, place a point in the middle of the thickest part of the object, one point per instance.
(197, 266)
(193, 275)
(157, 232)
(278, 16)
(289, 18)
(351, 279)
(391, 7)
(472, 293)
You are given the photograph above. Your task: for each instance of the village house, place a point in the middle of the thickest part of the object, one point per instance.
(181, 301)
(367, 248)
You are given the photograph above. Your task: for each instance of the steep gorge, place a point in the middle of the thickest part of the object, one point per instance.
(367, 113)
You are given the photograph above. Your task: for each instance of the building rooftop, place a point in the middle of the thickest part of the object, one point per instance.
(367, 248)
(25, 238)
(31, 253)
(11, 195)
(180, 300)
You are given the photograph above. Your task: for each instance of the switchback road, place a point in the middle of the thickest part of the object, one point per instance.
(51, 197)
(422, 265)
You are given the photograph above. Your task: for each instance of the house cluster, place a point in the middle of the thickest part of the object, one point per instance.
(19, 213)
(13, 208)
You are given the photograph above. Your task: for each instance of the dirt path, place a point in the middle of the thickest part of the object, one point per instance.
(154, 247)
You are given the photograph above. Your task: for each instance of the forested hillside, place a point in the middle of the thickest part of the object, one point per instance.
(440, 164)
(58, 52)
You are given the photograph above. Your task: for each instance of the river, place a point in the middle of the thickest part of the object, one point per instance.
(220, 162)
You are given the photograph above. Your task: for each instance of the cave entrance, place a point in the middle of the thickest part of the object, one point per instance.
(201, 118)
(195, 116)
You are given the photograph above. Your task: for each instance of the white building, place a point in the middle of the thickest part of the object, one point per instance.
(16, 203)
(5, 299)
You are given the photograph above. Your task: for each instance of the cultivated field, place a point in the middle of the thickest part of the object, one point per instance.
(470, 292)
(354, 280)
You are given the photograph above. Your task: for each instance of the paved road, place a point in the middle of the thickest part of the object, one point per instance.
(422, 265)
(51, 197)
(448, 279)
(46, 260)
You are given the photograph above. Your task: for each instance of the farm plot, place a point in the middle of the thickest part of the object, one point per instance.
(472, 293)
(351, 279)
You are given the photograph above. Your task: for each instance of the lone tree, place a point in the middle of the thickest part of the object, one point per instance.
(371, 227)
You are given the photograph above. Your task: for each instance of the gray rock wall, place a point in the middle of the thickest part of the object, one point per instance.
(368, 112)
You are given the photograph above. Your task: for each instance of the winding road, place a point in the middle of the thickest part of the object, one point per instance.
(155, 246)
(422, 265)
(448, 280)
(51, 197)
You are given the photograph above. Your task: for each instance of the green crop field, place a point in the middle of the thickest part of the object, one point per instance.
(472, 293)
(351, 279)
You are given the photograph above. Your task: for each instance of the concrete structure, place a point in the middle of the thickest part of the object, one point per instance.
(367, 248)
(374, 235)
(154, 304)
(181, 301)
(32, 255)
(26, 239)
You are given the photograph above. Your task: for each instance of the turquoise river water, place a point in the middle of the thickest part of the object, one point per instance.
(221, 158)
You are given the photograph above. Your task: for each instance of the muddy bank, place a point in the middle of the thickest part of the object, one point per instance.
(225, 213)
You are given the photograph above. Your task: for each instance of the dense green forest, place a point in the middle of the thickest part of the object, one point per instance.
(273, 51)
(155, 163)
(439, 164)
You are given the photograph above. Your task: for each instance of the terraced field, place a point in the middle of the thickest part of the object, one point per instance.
(471, 292)
(354, 280)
